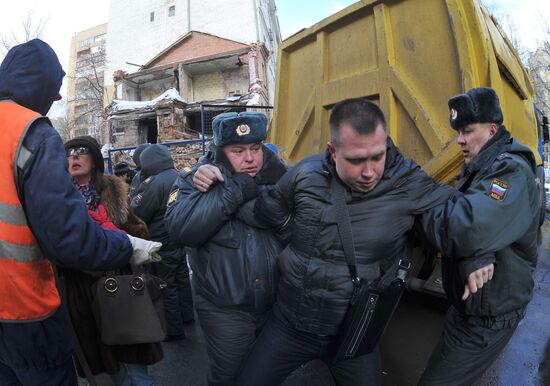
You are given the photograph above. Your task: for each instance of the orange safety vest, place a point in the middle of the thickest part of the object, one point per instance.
(27, 283)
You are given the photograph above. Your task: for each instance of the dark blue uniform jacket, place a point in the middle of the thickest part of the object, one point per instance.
(31, 75)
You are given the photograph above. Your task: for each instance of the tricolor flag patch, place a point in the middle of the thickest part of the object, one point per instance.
(498, 189)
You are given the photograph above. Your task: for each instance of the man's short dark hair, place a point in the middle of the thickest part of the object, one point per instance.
(361, 114)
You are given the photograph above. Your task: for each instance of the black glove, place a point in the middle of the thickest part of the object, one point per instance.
(247, 185)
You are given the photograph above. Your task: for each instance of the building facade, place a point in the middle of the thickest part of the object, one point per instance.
(139, 30)
(199, 69)
(86, 81)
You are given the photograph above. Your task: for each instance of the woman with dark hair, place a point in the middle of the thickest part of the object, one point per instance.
(107, 201)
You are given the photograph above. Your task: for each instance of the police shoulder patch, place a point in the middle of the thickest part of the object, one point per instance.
(173, 197)
(499, 189)
(137, 199)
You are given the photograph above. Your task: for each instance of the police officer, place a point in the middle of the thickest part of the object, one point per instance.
(233, 258)
(43, 221)
(495, 217)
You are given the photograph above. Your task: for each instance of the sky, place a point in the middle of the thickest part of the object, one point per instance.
(65, 19)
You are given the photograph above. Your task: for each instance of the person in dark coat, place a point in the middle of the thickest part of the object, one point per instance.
(495, 219)
(233, 258)
(106, 197)
(149, 204)
(39, 352)
(384, 194)
(136, 180)
(123, 171)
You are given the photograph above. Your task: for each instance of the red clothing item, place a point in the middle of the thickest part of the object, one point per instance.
(102, 219)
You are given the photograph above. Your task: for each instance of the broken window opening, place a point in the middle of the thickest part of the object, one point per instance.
(195, 122)
(152, 16)
(148, 130)
(172, 10)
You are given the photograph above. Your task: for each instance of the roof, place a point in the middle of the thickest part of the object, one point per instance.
(194, 45)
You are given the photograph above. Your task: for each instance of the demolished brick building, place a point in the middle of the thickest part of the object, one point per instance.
(162, 101)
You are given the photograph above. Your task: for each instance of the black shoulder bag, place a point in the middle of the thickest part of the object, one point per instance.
(371, 306)
(129, 308)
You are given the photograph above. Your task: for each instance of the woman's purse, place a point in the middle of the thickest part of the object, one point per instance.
(371, 306)
(129, 308)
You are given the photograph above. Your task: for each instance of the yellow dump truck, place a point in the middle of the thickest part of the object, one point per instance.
(410, 57)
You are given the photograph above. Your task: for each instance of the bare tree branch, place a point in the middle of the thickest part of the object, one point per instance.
(30, 28)
(88, 98)
(537, 61)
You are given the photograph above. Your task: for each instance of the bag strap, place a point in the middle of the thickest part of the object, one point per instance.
(344, 228)
(346, 236)
(137, 269)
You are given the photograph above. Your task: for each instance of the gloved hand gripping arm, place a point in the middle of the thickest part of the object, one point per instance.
(145, 251)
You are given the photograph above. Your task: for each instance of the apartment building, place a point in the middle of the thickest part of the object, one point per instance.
(86, 81)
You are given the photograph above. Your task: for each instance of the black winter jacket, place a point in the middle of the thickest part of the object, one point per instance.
(496, 220)
(315, 286)
(151, 197)
(232, 257)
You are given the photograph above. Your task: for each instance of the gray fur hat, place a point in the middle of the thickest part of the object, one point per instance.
(478, 105)
(235, 128)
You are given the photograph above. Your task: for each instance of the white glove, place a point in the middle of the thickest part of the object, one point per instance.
(145, 251)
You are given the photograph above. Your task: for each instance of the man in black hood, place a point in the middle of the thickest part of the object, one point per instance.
(43, 222)
(149, 204)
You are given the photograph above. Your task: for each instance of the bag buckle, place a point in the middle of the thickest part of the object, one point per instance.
(404, 264)
(356, 281)
(403, 269)
(137, 283)
(110, 285)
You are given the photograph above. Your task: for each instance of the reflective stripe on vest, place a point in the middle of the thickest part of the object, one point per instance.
(27, 283)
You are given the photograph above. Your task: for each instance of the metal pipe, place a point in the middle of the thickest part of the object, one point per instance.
(256, 21)
(188, 15)
(202, 130)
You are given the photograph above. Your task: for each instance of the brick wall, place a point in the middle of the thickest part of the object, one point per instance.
(134, 38)
(197, 45)
(208, 86)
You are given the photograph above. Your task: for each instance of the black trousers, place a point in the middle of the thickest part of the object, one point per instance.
(178, 298)
(280, 349)
(229, 334)
(465, 350)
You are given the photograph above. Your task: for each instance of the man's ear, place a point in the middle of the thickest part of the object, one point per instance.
(331, 150)
(493, 129)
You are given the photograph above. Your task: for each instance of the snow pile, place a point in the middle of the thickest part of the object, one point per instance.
(171, 94)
